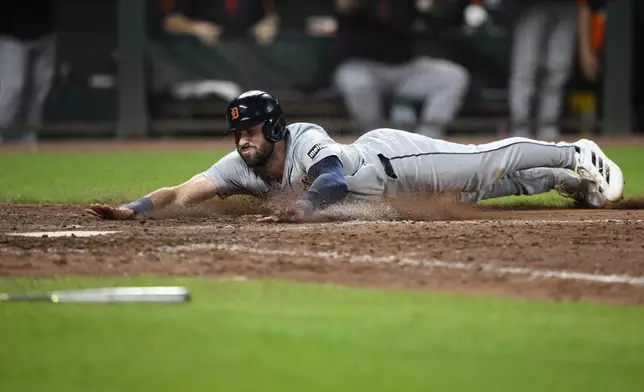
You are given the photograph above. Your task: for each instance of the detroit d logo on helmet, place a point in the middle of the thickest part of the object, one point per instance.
(234, 113)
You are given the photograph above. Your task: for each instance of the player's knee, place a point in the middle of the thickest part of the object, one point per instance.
(453, 76)
(459, 78)
(350, 77)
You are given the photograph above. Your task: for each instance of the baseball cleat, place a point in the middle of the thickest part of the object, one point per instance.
(595, 166)
(572, 185)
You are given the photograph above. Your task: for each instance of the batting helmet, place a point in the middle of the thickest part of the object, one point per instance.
(257, 107)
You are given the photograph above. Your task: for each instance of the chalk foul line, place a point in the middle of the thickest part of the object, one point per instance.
(406, 261)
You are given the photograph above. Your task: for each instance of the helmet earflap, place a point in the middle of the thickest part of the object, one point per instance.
(274, 129)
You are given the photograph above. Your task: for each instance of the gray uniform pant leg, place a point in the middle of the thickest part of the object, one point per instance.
(22, 65)
(560, 52)
(363, 84)
(439, 84)
(44, 55)
(14, 56)
(523, 182)
(472, 168)
(544, 35)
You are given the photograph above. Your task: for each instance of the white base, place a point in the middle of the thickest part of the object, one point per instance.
(67, 233)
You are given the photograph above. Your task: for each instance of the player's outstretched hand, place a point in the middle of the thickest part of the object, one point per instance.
(110, 213)
(289, 215)
(269, 219)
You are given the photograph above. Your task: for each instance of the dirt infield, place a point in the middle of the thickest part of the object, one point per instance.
(558, 255)
(553, 254)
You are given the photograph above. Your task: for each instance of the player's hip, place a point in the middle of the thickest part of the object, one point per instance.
(389, 141)
(378, 176)
(395, 143)
(415, 175)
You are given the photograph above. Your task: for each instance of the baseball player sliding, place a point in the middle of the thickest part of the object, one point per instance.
(272, 158)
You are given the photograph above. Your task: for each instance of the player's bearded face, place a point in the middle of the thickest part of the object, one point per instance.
(252, 146)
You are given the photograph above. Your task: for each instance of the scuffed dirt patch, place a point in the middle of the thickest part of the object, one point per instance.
(370, 251)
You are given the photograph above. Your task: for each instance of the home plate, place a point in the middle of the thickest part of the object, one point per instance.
(67, 233)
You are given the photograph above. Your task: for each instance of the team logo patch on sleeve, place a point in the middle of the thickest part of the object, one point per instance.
(315, 150)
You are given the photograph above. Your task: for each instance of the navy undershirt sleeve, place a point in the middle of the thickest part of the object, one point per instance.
(328, 185)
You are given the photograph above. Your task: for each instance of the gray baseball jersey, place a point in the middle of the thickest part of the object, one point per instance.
(306, 145)
(390, 162)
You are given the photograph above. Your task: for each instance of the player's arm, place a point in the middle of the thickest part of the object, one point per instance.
(192, 192)
(177, 21)
(327, 187)
(266, 29)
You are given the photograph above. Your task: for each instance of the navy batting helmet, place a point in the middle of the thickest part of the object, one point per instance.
(257, 107)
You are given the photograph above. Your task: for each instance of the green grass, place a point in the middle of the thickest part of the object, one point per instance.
(83, 177)
(123, 176)
(273, 336)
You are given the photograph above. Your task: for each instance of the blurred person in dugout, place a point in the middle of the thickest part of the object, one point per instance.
(375, 59)
(544, 39)
(210, 20)
(27, 63)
